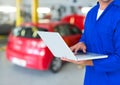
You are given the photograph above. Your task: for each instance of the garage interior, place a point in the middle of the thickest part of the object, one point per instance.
(11, 74)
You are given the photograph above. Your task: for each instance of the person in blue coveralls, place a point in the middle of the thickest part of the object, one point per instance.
(101, 35)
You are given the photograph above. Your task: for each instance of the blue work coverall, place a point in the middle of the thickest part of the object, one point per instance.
(102, 36)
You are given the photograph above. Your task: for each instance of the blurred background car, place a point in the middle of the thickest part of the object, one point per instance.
(25, 48)
(76, 19)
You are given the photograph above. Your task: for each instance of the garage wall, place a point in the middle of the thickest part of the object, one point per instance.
(7, 2)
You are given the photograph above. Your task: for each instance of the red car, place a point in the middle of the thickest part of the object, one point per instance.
(76, 19)
(25, 48)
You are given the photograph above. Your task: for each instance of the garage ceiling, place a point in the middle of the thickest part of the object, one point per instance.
(51, 2)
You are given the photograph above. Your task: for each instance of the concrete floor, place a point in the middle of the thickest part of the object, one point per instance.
(11, 74)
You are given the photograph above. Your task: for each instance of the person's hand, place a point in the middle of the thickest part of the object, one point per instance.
(79, 46)
(83, 62)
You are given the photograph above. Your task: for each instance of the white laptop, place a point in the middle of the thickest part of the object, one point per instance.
(59, 48)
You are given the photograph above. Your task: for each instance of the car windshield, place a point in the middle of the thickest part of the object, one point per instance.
(28, 32)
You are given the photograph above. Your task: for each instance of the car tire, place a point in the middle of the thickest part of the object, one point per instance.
(56, 65)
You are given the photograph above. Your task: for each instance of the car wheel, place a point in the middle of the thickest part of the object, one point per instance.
(56, 65)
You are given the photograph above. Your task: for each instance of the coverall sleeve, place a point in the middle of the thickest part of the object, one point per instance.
(112, 63)
(83, 38)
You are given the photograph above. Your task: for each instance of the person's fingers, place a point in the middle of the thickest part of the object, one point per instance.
(72, 48)
(84, 49)
(76, 50)
(64, 59)
(78, 46)
(79, 62)
(73, 61)
(68, 60)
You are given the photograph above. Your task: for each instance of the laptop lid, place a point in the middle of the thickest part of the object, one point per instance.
(59, 48)
(56, 44)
